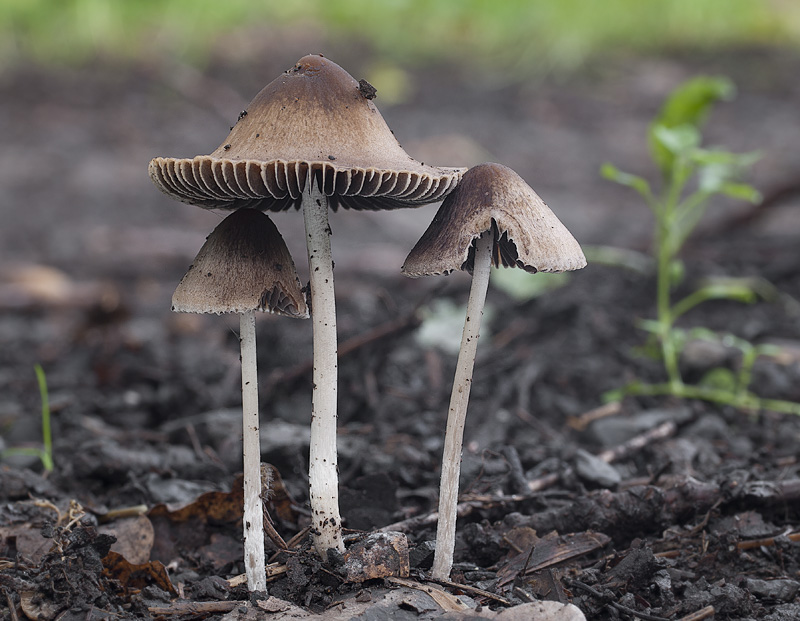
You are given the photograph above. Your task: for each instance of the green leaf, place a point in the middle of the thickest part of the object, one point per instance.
(688, 105)
(678, 140)
(737, 291)
(612, 173)
(617, 394)
(691, 102)
(704, 334)
(727, 158)
(742, 191)
(720, 170)
(650, 325)
(719, 379)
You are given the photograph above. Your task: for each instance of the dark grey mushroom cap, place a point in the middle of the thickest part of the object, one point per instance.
(492, 197)
(312, 121)
(243, 266)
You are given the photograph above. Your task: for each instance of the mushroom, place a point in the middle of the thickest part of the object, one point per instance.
(245, 266)
(312, 138)
(492, 217)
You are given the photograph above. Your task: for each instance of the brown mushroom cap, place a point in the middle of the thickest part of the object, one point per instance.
(312, 120)
(243, 266)
(492, 197)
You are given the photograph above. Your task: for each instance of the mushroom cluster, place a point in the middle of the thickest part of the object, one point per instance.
(313, 140)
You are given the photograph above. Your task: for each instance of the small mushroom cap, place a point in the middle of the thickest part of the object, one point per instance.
(243, 266)
(492, 197)
(314, 120)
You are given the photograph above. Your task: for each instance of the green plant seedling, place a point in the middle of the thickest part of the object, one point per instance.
(45, 454)
(690, 176)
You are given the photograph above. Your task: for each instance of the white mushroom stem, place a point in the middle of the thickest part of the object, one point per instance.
(253, 512)
(323, 476)
(457, 414)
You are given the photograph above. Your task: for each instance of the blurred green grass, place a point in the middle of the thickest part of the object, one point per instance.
(512, 34)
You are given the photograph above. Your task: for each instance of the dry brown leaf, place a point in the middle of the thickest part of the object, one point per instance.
(137, 576)
(37, 609)
(540, 552)
(211, 506)
(190, 527)
(26, 540)
(134, 535)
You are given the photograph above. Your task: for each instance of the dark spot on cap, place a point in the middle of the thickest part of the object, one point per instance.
(226, 147)
(366, 89)
(242, 114)
(331, 157)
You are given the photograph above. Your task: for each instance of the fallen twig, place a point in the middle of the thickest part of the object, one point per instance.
(767, 541)
(195, 608)
(12, 607)
(273, 571)
(637, 443)
(699, 615)
(471, 589)
(579, 423)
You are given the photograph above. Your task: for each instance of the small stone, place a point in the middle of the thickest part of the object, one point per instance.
(378, 555)
(779, 590)
(591, 468)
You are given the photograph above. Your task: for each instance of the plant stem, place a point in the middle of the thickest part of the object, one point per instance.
(457, 414)
(714, 395)
(664, 310)
(253, 519)
(666, 250)
(323, 477)
(47, 435)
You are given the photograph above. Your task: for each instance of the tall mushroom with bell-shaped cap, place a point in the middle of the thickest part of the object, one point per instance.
(492, 217)
(245, 266)
(312, 138)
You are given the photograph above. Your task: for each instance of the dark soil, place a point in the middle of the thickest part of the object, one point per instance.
(145, 403)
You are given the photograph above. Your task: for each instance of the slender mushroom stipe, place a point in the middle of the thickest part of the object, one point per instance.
(323, 474)
(492, 217)
(245, 266)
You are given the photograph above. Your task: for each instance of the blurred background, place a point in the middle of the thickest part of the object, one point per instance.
(91, 90)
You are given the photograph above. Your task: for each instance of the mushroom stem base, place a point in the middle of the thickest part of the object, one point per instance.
(457, 414)
(326, 524)
(253, 519)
